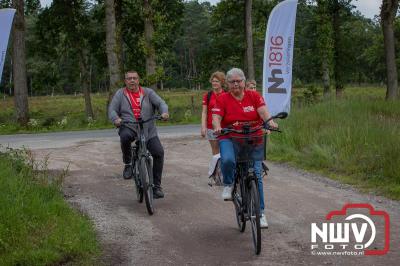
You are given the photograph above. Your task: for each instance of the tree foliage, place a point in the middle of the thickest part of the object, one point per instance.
(191, 40)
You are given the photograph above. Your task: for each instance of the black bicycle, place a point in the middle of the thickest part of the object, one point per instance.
(142, 164)
(245, 195)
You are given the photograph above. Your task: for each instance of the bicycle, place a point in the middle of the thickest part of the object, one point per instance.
(142, 165)
(245, 194)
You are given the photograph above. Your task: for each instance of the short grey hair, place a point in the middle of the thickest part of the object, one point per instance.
(235, 71)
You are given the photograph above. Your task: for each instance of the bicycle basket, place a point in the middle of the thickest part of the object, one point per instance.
(248, 148)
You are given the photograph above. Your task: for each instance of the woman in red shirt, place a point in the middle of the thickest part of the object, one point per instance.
(217, 80)
(236, 108)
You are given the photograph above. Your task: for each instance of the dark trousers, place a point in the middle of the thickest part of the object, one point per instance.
(127, 136)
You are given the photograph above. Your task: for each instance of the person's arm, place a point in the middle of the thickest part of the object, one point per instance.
(218, 112)
(113, 109)
(204, 121)
(160, 103)
(216, 121)
(264, 114)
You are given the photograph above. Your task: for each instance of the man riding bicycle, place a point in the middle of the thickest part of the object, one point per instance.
(237, 108)
(128, 105)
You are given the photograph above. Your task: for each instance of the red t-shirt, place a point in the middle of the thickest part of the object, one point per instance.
(211, 104)
(237, 113)
(134, 98)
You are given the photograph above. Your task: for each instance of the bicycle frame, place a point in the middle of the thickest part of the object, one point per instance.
(142, 150)
(142, 161)
(245, 174)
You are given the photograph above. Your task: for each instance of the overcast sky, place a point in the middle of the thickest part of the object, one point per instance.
(368, 8)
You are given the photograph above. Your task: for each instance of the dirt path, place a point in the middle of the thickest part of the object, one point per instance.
(192, 225)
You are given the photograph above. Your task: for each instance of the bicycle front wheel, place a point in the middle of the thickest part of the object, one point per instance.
(147, 183)
(254, 214)
(238, 201)
(138, 182)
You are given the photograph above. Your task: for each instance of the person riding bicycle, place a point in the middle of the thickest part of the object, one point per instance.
(128, 105)
(237, 108)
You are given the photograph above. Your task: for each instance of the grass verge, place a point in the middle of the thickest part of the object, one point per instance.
(67, 112)
(355, 140)
(37, 227)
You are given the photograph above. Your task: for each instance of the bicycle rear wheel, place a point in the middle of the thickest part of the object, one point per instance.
(147, 183)
(218, 174)
(138, 182)
(238, 201)
(254, 214)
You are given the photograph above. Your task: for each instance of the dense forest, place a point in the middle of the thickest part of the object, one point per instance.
(78, 46)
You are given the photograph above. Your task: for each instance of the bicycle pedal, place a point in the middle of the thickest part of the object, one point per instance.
(228, 199)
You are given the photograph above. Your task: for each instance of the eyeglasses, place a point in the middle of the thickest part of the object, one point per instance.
(235, 81)
(215, 81)
(132, 78)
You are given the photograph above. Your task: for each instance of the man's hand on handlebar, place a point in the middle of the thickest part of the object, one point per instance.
(165, 116)
(117, 122)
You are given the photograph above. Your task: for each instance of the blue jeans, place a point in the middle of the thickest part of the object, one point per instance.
(228, 167)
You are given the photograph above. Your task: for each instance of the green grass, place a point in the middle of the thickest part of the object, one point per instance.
(66, 112)
(37, 227)
(355, 140)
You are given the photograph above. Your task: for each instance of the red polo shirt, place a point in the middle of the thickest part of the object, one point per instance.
(237, 113)
(211, 104)
(134, 99)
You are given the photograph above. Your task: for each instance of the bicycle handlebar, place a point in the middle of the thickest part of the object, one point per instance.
(141, 121)
(265, 125)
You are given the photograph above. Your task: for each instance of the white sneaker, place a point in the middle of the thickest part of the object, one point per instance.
(227, 193)
(263, 221)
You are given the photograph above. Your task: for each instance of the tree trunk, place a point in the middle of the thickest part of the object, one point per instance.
(325, 77)
(249, 40)
(148, 37)
(119, 40)
(19, 65)
(324, 43)
(388, 14)
(112, 47)
(337, 53)
(83, 63)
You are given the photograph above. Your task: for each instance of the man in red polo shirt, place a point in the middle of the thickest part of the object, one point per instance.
(128, 104)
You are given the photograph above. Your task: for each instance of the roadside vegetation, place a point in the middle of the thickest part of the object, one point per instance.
(66, 112)
(37, 227)
(355, 140)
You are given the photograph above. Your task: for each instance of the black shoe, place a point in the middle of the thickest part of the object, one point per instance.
(127, 174)
(158, 193)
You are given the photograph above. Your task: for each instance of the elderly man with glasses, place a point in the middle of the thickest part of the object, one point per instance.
(128, 104)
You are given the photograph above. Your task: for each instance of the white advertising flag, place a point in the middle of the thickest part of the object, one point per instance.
(6, 19)
(278, 57)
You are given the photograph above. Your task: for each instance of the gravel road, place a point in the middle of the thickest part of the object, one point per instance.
(192, 225)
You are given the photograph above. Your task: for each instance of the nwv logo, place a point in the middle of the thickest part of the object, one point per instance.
(355, 232)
